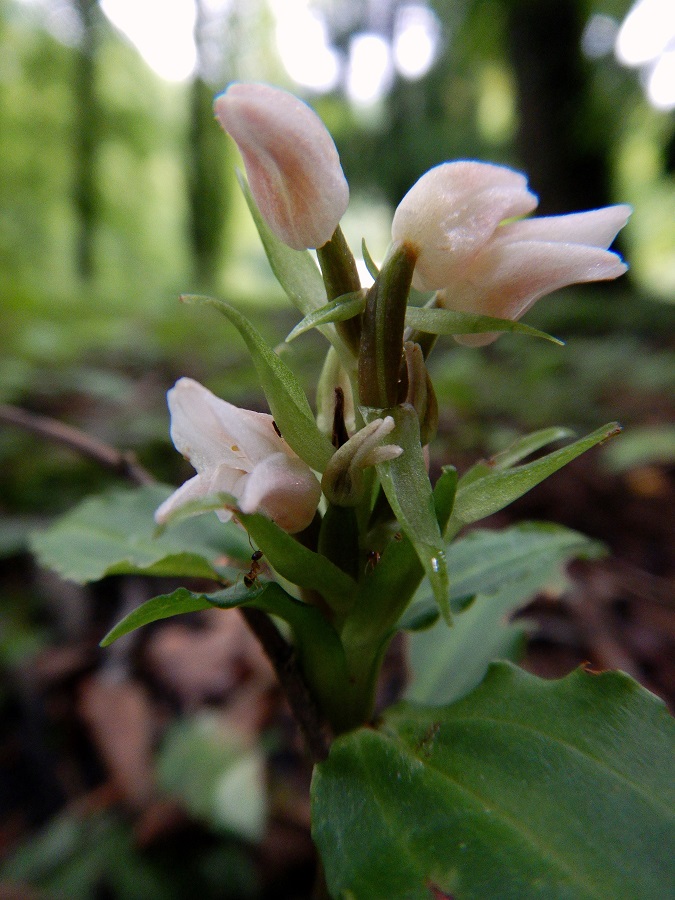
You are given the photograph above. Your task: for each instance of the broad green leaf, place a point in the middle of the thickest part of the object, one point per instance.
(408, 490)
(115, 534)
(286, 398)
(338, 310)
(502, 571)
(524, 789)
(295, 270)
(493, 491)
(445, 321)
(299, 565)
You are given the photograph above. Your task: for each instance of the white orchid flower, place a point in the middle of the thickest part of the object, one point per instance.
(291, 162)
(454, 218)
(238, 452)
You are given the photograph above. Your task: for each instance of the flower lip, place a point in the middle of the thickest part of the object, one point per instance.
(291, 162)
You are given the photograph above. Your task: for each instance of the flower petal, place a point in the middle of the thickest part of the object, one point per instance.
(597, 227)
(209, 431)
(291, 162)
(506, 279)
(452, 211)
(213, 481)
(284, 489)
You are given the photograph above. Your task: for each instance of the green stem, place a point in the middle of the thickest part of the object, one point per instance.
(340, 276)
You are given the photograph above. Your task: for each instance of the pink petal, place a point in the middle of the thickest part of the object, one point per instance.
(284, 489)
(505, 280)
(214, 481)
(452, 211)
(597, 227)
(291, 162)
(209, 431)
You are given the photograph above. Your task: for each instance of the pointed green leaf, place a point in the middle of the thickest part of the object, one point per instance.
(371, 266)
(483, 496)
(502, 570)
(446, 321)
(408, 490)
(163, 607)
(286, 398)
(524, 789)
(339, 310)
(115, 534)
(299, 565)
(517, 451)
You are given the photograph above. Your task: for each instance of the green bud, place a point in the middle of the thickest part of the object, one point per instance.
(382, 371)
(421, 395)
(340, 276)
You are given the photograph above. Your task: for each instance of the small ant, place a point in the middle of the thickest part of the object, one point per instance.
(372, 559)
(252, 574)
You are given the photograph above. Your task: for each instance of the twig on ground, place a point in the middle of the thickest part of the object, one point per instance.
(124, 463)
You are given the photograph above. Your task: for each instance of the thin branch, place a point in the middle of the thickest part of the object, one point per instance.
(123, 463)
(280, 653)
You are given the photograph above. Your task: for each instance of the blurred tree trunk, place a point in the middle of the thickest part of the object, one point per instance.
(564, 156)
(207, 189)
(86, 134)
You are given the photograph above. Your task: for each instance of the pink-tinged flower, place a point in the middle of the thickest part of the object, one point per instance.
(453, 218)
(238, 452)
(291, 162)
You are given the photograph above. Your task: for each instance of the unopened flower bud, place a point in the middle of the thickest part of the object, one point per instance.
(343, 480)
(421, 395)
(291, 162)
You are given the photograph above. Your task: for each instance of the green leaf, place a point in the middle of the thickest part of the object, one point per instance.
(408, 490)
(286, 398)
(371, 266)
(299, 565)
(524, 789)
(445, 321)
(483, 496)
(338, 310)
(502, 571)
(115, 534)
(164, 606)
(517, 451)
(267, 596)
(295, 270)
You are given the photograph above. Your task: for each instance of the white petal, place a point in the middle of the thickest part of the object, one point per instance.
(452, 211)
(507, 279)
(597, 227)
(291, 161)
(209, 431)
(213, 481)
(284, 489)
